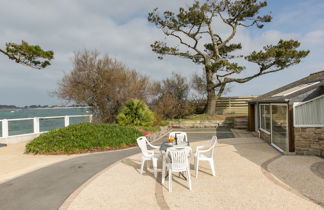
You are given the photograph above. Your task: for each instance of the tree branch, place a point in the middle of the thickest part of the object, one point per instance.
(225, 75)
(246, 79)
(186, 44)
(230, 37)
(221, 90)
(214, 42)
(4, 52)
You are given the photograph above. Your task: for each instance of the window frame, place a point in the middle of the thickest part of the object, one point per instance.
(264, 118)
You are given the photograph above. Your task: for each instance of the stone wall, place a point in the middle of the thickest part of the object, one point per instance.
(265, 136)
(195, 124)
(309, 141)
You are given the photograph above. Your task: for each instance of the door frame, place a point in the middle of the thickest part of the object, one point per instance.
(287, 130)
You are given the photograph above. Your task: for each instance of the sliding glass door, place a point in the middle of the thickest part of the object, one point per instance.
(279, 126)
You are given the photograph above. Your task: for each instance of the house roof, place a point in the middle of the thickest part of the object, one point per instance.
(301, 90)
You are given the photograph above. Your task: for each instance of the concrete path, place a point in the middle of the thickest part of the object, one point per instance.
(250, 174)
(49, 187)
(14, 163)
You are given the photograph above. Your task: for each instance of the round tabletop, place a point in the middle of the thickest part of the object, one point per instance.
(166, 144)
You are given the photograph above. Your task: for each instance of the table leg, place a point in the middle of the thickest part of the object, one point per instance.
(163, 168)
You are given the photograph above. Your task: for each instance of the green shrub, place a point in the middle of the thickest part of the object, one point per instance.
(135, 113)
(83, 137)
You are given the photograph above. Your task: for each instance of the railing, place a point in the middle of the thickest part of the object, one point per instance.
(36, 123)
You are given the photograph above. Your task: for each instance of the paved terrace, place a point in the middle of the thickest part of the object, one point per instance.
(249, 175)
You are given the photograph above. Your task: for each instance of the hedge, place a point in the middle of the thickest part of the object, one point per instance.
(83, 137)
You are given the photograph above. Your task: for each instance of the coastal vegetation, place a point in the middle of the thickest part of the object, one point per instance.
(84, 137)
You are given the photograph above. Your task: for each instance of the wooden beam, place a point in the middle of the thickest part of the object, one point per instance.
(291, 133)
(251, 117)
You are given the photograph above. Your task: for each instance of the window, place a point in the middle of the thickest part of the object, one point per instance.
(310, 113)
(265, 117)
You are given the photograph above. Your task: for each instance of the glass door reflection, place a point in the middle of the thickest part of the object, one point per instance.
(279, 127)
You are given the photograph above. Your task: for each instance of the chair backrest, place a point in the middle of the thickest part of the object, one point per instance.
(181, 136)
(179, 158)
(211, 149)
(141, 142)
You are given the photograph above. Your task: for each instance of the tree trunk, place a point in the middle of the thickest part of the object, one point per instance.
(211, 97)
(211, 105)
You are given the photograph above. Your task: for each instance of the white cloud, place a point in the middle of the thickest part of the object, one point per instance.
(314, 37)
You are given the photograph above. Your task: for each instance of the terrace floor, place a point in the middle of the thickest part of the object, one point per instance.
(250, 174)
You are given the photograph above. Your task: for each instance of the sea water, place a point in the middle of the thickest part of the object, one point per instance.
(26, 126)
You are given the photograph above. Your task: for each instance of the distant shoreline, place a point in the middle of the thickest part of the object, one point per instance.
(57, 107)
(64, 107)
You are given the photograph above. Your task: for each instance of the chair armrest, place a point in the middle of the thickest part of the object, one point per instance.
(151, 145)
(205, 150)
(200, 147)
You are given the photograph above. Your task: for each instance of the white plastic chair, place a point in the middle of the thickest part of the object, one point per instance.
(142, 142)
(181, 136)
(179, 158)
(206, 153)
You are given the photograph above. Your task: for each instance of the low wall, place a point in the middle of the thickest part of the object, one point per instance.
(240, 123)
(19, 138)
(309, 141)
(195, 124)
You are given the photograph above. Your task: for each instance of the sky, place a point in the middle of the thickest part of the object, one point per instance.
(119, 28)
